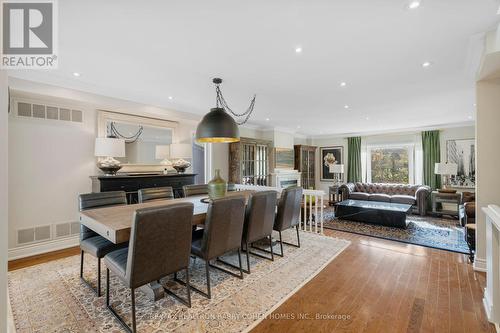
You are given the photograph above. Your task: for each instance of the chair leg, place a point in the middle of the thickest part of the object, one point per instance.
(281, 245)
(241, 266)
(97, 290)
(132, 294)
(188, 286)
(298, 238)
(199, 291)
(113, 312)
(98, 277)
(207, 270)
(81, 264)
(248, 257)
(271, 246)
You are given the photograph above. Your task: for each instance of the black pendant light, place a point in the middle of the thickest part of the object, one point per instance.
(218, 125)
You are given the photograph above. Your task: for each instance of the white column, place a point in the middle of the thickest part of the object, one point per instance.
(491, 298)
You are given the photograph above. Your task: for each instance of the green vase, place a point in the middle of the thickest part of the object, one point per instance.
(217, 187)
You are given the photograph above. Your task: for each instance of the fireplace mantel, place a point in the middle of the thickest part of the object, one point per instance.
(282, 178)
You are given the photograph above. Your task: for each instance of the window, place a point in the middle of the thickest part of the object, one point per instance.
(390, 164)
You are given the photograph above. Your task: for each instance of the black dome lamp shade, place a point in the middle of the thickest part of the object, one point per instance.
(218, 125)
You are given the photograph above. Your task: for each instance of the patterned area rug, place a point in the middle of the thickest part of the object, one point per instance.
(51, 298)
(440, 233)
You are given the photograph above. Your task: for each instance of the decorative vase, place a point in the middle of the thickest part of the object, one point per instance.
(217, 187)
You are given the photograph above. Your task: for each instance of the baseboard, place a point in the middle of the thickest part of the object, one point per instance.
(44, 247)
(479, 264)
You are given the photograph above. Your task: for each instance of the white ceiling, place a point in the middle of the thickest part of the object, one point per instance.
(148, 51)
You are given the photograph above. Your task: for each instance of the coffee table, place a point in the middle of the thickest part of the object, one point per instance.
(383, 213)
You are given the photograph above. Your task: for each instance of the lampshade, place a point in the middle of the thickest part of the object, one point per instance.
(162, 152)
(217, 126)
(445, 168)
(181, 150)
(109, 147)
(336, 168)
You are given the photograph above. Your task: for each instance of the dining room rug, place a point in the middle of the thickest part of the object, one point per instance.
(51, 298)
(440, 233)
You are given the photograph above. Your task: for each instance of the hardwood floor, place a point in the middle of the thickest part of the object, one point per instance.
(375, 285)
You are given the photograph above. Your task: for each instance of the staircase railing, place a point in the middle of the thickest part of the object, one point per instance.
(311, 212)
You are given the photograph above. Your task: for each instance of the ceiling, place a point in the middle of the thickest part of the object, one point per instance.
(150, 51)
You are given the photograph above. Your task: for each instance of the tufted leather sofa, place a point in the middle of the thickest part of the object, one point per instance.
(415, 195)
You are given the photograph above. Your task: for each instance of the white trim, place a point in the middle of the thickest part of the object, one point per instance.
(410, 130)
(291, 293)
(44, 247)
(479, 264)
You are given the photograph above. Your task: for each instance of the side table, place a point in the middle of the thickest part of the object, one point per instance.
(334, 195)
(446, 198)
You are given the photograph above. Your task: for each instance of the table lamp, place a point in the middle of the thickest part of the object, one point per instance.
(180, 151)
(106, 149)
(162, 152)
(337, 170)
(446, 170)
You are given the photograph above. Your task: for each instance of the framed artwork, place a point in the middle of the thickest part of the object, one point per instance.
(330, 156)
(283, 158)
(462, 152)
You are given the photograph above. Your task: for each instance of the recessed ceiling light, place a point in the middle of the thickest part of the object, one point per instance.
(426, 64)
(76, 74)
(470, 117)
(414, 4)
(346, 106)
(298, 49)
(343, 84)
(170, 97)
(367, 118)
(298, 126)
(267, 119)
(474, 105)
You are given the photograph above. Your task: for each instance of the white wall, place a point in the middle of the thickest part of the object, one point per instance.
(3, 199)
(50, 161)
(487, 160)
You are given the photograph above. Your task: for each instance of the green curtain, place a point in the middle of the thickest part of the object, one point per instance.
(354, 159)
(431, 149)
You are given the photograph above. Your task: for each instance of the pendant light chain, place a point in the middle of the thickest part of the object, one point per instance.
(222, 102)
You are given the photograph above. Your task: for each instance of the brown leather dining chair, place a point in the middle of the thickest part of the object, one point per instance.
(90, 241)
(221, 235)
(190, 190)
(159, 245)
(288, 214)
(259, 222)
(155, 193)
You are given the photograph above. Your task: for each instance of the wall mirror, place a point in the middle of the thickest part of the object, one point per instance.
(148, 139)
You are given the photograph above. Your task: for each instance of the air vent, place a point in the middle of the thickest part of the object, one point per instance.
(31, 235)
(66, 229)
(40, 111)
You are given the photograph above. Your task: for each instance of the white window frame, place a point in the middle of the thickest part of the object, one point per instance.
(410, 147)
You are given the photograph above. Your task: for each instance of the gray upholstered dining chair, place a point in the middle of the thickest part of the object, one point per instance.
(90, 241)
(190, 190)
(155, 193)
(221, 235)
(159, 245)
(288, 213)
(259, 222)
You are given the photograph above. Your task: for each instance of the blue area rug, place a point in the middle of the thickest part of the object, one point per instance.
(439, 233)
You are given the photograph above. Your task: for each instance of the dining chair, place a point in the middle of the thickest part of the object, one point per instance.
(190, 190)
(221, 235)
(159, 245)
(90, 241)
(259, 222)
(155, 193)
(288, 214)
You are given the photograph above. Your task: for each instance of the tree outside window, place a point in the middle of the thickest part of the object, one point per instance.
(390, 165)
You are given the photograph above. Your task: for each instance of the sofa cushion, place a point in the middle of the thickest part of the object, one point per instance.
(359, 196)
(381, 197)
(403, 199)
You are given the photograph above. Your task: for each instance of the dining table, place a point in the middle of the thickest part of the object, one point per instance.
(114, 223)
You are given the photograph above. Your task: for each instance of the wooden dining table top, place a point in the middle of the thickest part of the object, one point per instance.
(114, 222)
